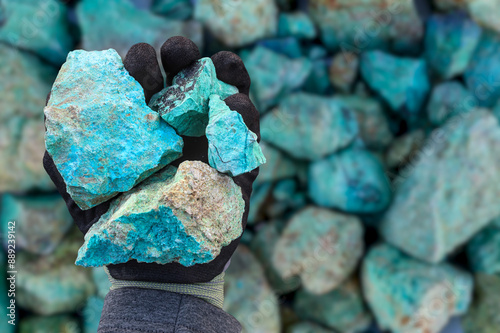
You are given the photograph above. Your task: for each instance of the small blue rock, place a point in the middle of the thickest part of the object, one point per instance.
(232, 147)
(297, 24)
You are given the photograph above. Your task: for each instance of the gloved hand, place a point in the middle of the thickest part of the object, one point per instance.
(141, 62)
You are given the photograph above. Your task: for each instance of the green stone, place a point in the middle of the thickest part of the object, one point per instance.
(483, 250)
(296, 24)
(321, 246)
(157, 221)
(118, 24)
(352, 180)
(21, 121)
(92, 314)
(482, 316)
(449, 99)
(343, 70)
(38, 26)
(404, 149)
(306, 327)
(248, 296)
(309, 127)
(173, 9)
(40, 324)
(184, 105)
(342, 309)
(232, 148)
(449, 192)
(40, 221)
(407, 295)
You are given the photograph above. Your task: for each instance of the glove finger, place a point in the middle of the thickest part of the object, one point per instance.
(177, 53)
(230, 69)
(142, 64)
(244, 106)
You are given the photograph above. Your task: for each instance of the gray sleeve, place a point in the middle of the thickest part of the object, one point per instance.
(137, 310)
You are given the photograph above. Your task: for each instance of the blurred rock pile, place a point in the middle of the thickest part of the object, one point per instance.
(378, 206)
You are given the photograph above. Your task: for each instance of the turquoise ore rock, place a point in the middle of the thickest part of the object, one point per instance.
(21, 122)
(483, 250)
(237, 23)
(62, 323)
(41, 221)
(97, 123)
(248, 296)
(232, 147)
(185, 216)
(118, 24)
(184, 105)
(352, 180)
(409, 296)
(296, 24)
(342, 309)
(321, 246)
(450, 41)
(439, 204)
(449, 99)
(308, 126)
(482, 316)
(38, 26)
(401, 82)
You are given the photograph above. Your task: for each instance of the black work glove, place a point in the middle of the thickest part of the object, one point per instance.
(141, 62)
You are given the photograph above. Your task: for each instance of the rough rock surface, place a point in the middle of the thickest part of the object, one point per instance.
(63, 323)
(40, 221)
(449, 99)
(409, 296)
(185, 216)
(402, 82)
(450, 41)
(344, 70)
(342, 309)
(428, 219)
(483, 250)
(184, 105)
(237, 23)
(482, 316)
(248, 296)
(232, 147)
(122, 25)
(309, 127)
(321, 246)
(21, 122)
(352, 180)
(97, 123)
(296, 24)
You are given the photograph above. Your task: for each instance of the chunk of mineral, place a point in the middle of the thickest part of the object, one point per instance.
(248, 296)
(237, 23)
(308, 126)
(449, 99)
(232, 147)
(40, 221)
(62, 323)
(409, 296)
(321, 246)
(344, 70)
(296, 24)
(402, 82)
(342, 309)
(174, 9)
(121, 25)
(318, 81)
(450, 41)
(38, 26)
(352, 180)
(483, 250)
(98, 124)
(185, 216)
(184, 105)
(307, 327)
(482, 316)
(450, 193)
(485, 12)
(21, 122)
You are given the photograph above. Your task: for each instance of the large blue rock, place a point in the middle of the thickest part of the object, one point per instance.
(232, 147)
(402, 82)
(184, 105)
(101, 134)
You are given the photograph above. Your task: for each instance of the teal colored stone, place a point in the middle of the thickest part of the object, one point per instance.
(342, 309)
(296, 24)
(288, 46)
(483, 250)
(352, 180)
(38, 26)
(274, 76)
(482, 316)
(344, 70)
(307, 327)
(49, 324)
(320, 246)
(407, 295)
(101, 281)
(481, 77)
(277, 166)
(40, 221)
(309, 127)
(232, 147)
(449, 192)
(402, 82)
(157, 222)
(92, 314)
(173, 9)
(450, 41)
(449, 99)
(97, 122)
(118, 24)
(184, 105)
(318, 81)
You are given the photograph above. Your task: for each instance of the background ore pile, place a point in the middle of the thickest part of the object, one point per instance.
(378, 208)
